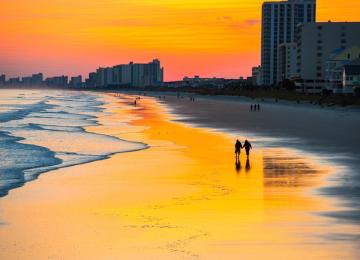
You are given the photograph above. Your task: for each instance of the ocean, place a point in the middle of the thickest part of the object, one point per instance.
(42, 130)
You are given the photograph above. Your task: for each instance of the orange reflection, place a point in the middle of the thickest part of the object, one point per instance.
(183, 198)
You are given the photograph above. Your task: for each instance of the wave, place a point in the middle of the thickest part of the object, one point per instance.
(26, 110)
(50, 133)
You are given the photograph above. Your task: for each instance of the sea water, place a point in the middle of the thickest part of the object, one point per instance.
(42, 130)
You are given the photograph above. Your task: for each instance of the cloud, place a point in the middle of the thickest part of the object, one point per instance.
(236, 24)
(252, 22)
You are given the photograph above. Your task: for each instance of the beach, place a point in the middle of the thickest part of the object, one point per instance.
(176, 192)
(329, 132)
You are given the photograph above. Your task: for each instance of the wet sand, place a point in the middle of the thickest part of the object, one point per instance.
(330, 133)
(183, 198)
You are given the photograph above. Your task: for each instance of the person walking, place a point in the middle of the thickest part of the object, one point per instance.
(258, 107)
(251, 107)
(248, 147)
(238, 147)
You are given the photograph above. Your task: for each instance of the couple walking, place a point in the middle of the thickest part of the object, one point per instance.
(238, 146)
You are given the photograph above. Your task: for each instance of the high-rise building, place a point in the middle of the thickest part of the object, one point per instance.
(14, 81)
(100, 78)
(91, 81)
(286, 68)
(76, 82)
(125, 75)
(137, 75)
(26, 81)
(109, 76)
(131, 75)
(279, 24)
(34, 80)
(37, 79)
(2, 79)
(122, 75)
(256, 76)
(316, 42)
(59, 81)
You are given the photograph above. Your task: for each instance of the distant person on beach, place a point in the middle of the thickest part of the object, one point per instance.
(238, 147)
(247, 146)
(135, 103)
(258, 107)
(251, 107)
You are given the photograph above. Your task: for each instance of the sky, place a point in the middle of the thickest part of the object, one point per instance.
(191, 37)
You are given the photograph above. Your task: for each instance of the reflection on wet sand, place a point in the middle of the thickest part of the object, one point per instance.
(238, 165)
(265, 204)
(181, 199)
(281, 169)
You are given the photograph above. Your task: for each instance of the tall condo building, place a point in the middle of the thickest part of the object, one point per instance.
(279, 25)
(2, 80)
(129, 75)
(316, 45)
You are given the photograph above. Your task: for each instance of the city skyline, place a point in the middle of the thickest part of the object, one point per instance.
(132, 74)
(77, 37)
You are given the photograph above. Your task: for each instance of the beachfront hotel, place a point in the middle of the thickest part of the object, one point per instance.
(129, 75)
(279, 25)
(319, 46)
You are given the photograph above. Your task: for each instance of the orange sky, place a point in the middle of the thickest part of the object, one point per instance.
(205, 37)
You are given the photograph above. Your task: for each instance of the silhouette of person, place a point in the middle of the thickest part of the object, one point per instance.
(251, 107)
(247, 146)
(247, 166)
(258, 107)
(238, 147)
(135, 102)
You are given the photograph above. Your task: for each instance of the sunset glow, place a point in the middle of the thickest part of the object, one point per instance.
(206, 37)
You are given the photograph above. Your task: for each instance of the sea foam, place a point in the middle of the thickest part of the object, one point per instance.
(45, 130)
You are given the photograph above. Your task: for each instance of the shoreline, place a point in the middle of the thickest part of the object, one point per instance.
(308, 100)
(55, 159)
(170, 201)
(210, 113)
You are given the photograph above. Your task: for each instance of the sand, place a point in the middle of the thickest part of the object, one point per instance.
(330, 133)
(183, 198)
